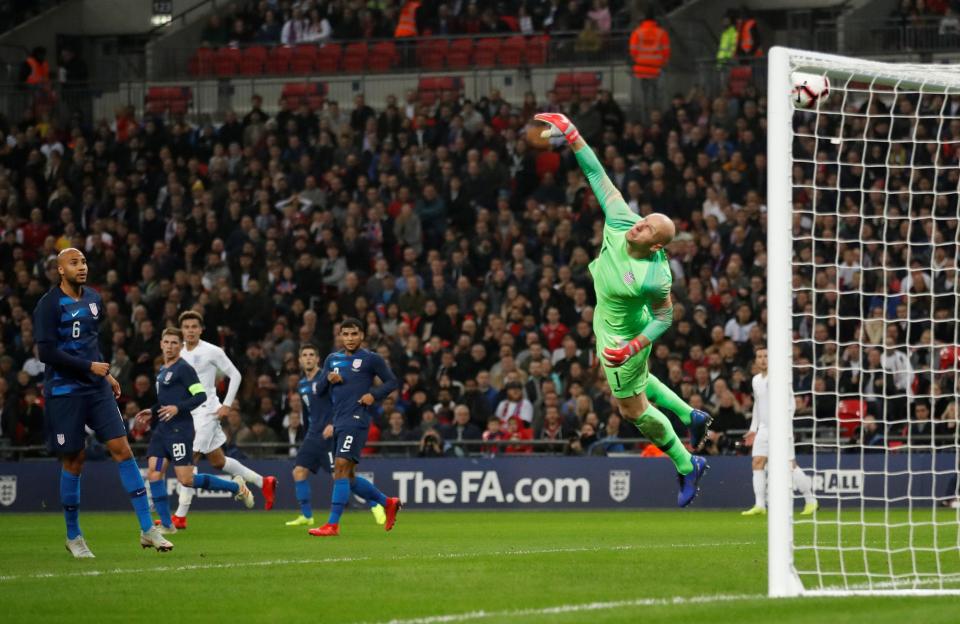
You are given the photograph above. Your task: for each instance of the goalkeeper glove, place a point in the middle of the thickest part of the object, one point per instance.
(559, 126)
(616, 357)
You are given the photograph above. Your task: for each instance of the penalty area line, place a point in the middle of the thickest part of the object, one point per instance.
(422, 557)
(511, 614)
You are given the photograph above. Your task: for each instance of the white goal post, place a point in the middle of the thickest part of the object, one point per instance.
(882, 148)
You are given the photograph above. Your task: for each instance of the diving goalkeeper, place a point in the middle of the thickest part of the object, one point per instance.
(632, 280)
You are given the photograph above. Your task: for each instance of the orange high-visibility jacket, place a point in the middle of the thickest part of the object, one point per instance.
(746, 43)
(407, 25)
(649, 49)
(39, 72)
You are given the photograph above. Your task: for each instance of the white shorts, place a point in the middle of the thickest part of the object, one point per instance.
(208, 434)
(761, 444)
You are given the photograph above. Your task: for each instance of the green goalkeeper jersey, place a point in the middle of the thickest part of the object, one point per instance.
(625, 286)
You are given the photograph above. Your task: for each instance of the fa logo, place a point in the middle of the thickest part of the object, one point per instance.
(619, 485)
(8, 489)
(628, 278)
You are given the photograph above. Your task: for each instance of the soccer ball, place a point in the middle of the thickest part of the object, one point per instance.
(808, 89)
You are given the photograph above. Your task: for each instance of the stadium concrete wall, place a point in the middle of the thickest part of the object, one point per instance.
(523, 483)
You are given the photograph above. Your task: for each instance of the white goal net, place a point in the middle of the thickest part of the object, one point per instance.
(862, 292)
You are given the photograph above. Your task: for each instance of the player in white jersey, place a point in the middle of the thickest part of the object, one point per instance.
(759, 438)
(209, 360)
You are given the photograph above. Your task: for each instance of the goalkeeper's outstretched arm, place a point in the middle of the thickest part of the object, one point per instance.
(607, 194)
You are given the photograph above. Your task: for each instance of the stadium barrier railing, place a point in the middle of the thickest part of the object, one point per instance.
(453, 53)
(885, 36)
(826, 439)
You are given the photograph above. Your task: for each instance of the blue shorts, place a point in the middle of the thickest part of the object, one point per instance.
(350, 442)
(66, 416)
(174, 443)
(316, 453)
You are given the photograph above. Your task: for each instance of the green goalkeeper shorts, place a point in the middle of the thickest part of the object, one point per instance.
(631, 378)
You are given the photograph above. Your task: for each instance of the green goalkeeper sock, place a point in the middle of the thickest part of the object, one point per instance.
(657, 428)
(659, 393)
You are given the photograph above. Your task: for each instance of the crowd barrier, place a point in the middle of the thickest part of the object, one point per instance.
(524, 483)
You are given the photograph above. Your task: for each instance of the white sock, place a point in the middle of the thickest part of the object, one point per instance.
(760, 488)
(186, 497)
(803, 484)
(232, 466)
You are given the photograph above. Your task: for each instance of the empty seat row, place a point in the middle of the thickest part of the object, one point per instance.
(160, 100)
(360, 56)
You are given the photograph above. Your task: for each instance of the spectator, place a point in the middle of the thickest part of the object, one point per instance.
(296, 29)
(293, 425)
(461, 429)
(396, 431)
(431, 444)
(728, 39)
(650, 51)
(258, 433)
(514, 405)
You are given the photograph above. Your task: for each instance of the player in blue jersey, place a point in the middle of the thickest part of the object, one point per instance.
(348, 375)
(179, 392)
(316, 451)
(79, 392)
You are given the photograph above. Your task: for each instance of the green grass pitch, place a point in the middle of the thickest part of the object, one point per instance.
(434, 567)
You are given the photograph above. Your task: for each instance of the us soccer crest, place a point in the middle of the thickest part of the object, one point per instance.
(61, 439)
(619, 485)
(356, 364)
(166, 378)
(8, 489)
(628, 278)
(93, 308)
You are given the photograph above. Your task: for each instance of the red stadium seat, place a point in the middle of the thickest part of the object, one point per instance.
(537, 50)
(160, 100)
(587, 84)
(432, 89)
(459, 54)
(740, 78)
(227, 62)
(303, 59)
(431, 53)
(202, 62)
(850, 413)
(564, 85)
(278, 60)
(355, 57)
(328, 61)
(312, 94)
(253, 61)
(383, 56)
(485, 54)
(512, 51)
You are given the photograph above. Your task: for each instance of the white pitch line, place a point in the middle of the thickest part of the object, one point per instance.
(280, 562)
(512, 614)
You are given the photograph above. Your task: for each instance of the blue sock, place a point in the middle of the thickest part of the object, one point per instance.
(209, 482)
(70, 499)
(302, 489)
(133, 483)
(341, 494)
(364, 489)
(158, 490)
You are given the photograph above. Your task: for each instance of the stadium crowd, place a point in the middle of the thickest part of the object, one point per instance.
(464, 251)
(270, 22)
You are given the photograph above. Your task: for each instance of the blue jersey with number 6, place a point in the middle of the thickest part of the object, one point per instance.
(73, 327)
